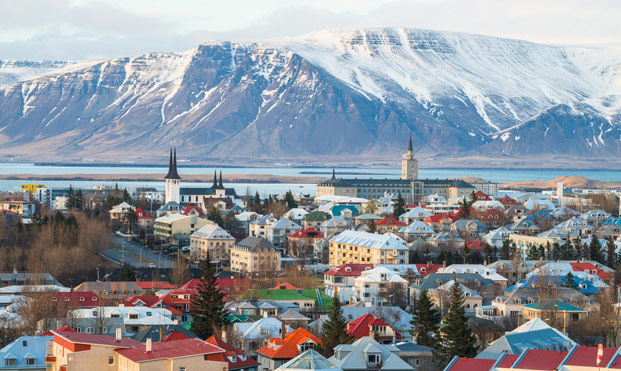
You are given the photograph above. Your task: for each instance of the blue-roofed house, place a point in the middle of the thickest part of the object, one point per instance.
(346, 211)
(516, 342)
(25, 353)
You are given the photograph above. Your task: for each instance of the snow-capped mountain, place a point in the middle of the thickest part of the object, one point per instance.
(338, 95)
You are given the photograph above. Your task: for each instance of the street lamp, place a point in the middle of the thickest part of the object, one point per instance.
(123, 253)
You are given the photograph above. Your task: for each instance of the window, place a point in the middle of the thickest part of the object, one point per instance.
(30, 361)
(373, 359)
(24, 343)
(111, 360)
(181, 368)
(9, 362)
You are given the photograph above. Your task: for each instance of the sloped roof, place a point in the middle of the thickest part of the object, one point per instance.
(236, 358)
(387, 241)
(389, 221)
(361, 326)
(170, 349)
(287, 348)
(351, 270)
(309, 360)
(84, 338)
(256, 244)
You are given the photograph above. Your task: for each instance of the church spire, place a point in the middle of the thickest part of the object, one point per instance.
(333, 174)
(220, 185)
(215, 179)
(172, 165)
(410, 145)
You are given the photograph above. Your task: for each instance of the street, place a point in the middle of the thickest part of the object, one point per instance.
(136, 255)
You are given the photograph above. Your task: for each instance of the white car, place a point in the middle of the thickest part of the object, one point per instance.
(151, 265)
(185, 248)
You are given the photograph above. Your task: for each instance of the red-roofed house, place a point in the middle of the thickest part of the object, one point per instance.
(507, 202)
(440, 222)
(192, 210)
(508, 360)
(175, 335)
(389, 224)
(186, 354)
(369, 325)
(179, 303)
(427, 269)
(544, 360)
(154, 285)
(590, 268)
(492, 218)
(470, 364)
(284, 286)
(70, 350)
(476, 245)
(149, 301)
(341, 279)
(586, 357)
(237, 359)
(480, 196)
(302, 242)
(191, 284)
(145, 221)
(280, 350)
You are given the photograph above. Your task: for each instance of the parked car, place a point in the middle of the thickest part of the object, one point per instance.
(186, 248)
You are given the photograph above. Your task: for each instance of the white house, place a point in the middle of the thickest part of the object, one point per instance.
(134, 318)
(376, 285)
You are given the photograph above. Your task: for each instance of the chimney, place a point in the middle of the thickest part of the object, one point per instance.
(283, 330)
(149, 345)
(277, 283)
(444, 263)
(224, 336)
(428, 263)
(118, 334)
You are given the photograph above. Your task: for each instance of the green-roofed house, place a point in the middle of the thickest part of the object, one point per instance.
(554, 310)
(305, 299)
(368, 217)
(315, 218)
(346, 211)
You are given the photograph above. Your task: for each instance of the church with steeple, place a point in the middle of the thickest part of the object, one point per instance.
(173, 179)
(409, 165)
(204, 197)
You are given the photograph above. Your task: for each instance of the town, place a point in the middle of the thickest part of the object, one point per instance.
(367, 274)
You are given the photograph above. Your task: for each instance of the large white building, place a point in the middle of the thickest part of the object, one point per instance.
(375, 286)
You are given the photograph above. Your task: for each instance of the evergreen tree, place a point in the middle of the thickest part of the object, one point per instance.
(595, 249)
(208, 311)
(127, 274)
(215, 216)
(399, 206)
(532, 253)
(565, 250)
(78, 199)
(334, 329)
(488, 254)
(464, 208)
(130, 222)
(505, 251)
(425, 321)
(456, 335)
(126, 197)
(290, 200)
(611, 260)
(70, 198)
(570, 281)
(541, 251)
(372, 228)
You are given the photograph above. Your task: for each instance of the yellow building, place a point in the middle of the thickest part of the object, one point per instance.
(32, 188)
(353, 247)
(177, 228)
(255, 255)
(554, 311)
(214, 239)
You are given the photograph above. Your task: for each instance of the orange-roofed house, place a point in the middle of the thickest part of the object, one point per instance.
(389, 224)
(154, 285)
(237, 359)
(369, 325)
(278, 351)
(440, 222)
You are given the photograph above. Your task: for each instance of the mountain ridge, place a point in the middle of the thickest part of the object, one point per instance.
(354, 94)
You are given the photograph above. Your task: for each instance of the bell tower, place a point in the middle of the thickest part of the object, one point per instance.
(172, 178)
(409, 165)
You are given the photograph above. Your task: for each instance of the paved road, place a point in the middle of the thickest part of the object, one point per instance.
(132, 254)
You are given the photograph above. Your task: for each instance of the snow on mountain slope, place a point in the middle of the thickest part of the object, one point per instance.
(13, 71)
(507, 81)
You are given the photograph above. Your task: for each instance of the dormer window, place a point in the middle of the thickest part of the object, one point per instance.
(373, 359)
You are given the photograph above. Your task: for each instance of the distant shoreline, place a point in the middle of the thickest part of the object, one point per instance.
(328, 172)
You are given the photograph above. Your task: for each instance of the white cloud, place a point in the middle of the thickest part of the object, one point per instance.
(81, 29)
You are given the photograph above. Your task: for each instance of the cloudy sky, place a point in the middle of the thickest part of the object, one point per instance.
(81, 29)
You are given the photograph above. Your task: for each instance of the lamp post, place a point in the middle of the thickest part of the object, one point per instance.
(123, 253)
